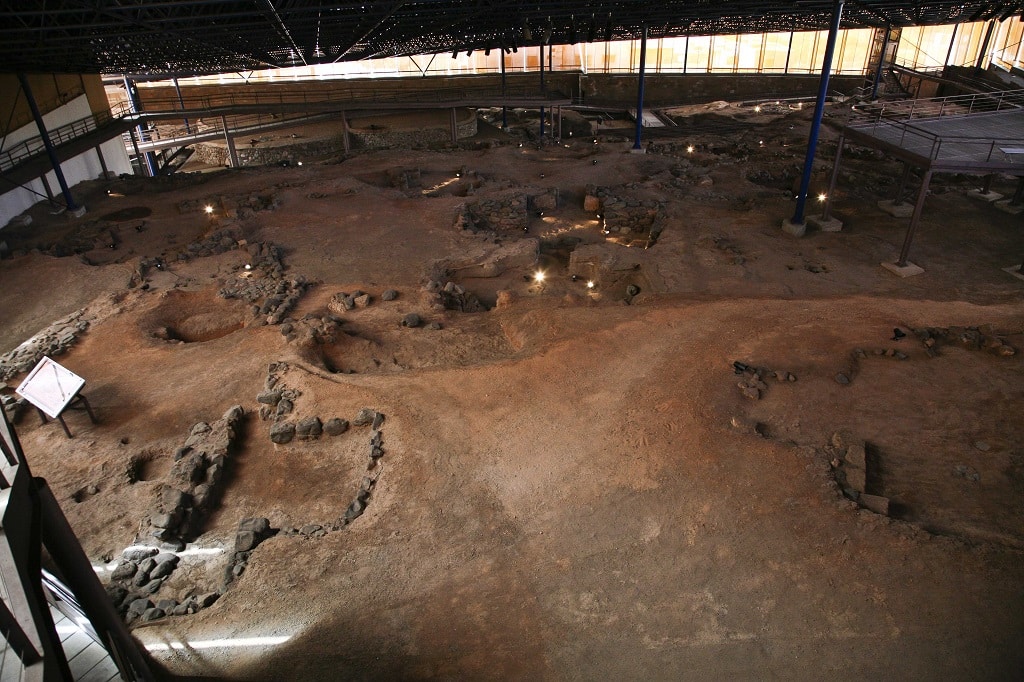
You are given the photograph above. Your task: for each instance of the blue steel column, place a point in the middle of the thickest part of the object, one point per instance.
(541, 49)
(50, 151)
(181, 101)
(640, 88)
(148, 158)
(819, 110)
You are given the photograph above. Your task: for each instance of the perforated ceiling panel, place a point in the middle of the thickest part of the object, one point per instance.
(211, 36)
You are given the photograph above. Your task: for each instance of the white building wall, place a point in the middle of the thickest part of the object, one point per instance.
(82, 167)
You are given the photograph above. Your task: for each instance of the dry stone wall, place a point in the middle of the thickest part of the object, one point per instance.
(52, 341)
(383, 138)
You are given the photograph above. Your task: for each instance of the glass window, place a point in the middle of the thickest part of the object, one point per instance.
(856, 51)
(776, 48)
(723, 53)
(801, 56)
(751, 47)
(698, 54)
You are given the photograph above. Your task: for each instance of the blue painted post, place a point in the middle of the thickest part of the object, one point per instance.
(540, 48)
(181, 101)
(48, 143)
(640, 89)
(819, 110)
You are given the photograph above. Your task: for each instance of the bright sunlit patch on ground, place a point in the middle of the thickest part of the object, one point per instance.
(227, 643)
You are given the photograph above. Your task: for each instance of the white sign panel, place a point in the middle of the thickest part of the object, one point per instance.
(50, 387)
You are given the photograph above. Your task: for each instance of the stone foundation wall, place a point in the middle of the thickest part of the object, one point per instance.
(625, 215)
(661, 89)
(217, 154)
(506, 213)
(383, 138)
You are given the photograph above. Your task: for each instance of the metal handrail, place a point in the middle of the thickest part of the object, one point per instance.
(935, 142)
(349, 97)
(66, 133)
(22, 151)
(982, 102)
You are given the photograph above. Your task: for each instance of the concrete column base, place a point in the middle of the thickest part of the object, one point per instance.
(908, 270)
(829, 225)
(896, 210)
(984, 196)
(1007, 207)
(78, 212)
(795, 229)
(637, 151)
(1015, 271)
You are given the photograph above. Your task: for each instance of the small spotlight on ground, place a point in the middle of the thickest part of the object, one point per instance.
(538, 277)
(689, 149)
(590, 284)
(757, 108)
(822, 197)
(208, 209)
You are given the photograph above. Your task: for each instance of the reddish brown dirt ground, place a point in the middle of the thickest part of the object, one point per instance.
(563, 495)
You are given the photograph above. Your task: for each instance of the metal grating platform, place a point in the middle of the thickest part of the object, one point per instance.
(988, 142)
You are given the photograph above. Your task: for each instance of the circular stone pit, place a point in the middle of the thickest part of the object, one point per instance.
(194, 317)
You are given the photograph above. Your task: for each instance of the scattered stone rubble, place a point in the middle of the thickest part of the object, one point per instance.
(626, 215)
(227, 238)
(52, 341)
(143, 570)
(971, 338)
(233, 205)
(404, 178)
(342, 302)
(753, 383)
(507, 212)
(184, 501)
(193, 486)
(854, 471)
(277, 401)
(845, 376)
(251, 532)
(449, 296)
(312, 330)
(356, 508)
(139, 576)
(264, 285)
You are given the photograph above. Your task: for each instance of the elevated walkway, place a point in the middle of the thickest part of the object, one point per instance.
(979, 133)
(27, 160)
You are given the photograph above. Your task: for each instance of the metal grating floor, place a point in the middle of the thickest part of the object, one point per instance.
(978, 142)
